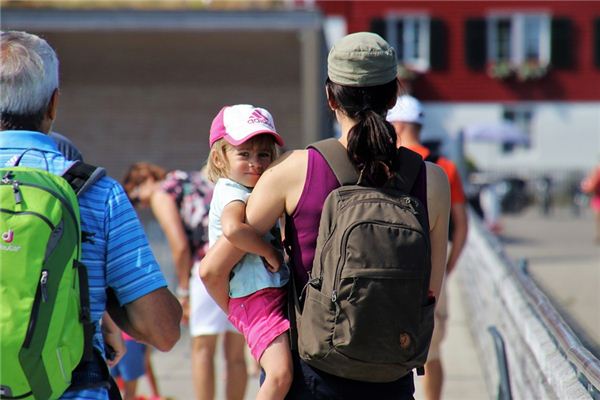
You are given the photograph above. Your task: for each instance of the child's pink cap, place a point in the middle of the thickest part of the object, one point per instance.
(238, 123)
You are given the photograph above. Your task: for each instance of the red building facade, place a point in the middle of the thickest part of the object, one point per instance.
(468, 40)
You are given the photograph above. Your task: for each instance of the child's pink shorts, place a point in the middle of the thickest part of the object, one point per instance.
(260, 318)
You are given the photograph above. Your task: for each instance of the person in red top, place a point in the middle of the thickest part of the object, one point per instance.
(407, 117)
(591, 186)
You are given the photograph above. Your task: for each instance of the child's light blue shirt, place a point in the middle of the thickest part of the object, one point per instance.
(250, 274)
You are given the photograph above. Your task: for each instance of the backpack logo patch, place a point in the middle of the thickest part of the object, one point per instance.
(8, 236)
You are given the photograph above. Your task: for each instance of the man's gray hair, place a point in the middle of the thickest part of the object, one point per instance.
(28, 73)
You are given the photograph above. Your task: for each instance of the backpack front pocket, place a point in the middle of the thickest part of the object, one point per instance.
(316, 328)
(374, 322)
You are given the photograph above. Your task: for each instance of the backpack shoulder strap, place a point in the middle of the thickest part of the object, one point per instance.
(82, 176)
(337, 158)
(408, 169)
(432, 158)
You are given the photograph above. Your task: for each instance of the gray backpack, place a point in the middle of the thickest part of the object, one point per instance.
(367, 312)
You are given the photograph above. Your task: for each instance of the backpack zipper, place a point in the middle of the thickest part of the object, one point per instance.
(17, 192)
(338, 269)
(64, 202)
(41, 294)
(40, 216)
(44, 285)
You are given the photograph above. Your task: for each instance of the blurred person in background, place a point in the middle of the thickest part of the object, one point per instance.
(180, 202)
(591, 186)
(407, 118)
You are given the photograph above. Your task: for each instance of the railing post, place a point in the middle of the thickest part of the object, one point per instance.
(523, 265)
(504, 391)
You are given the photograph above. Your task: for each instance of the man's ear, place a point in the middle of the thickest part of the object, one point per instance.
(53, 105)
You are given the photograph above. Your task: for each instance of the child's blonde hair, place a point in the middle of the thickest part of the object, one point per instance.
(218, 155)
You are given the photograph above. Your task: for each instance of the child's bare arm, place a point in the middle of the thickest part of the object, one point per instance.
(244, 237)
(215, 268)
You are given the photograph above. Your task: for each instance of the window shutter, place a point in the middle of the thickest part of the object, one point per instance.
(378, 27)
(399, 45)
(438, 36)
(597, 42)
(476, 43)
(561, 50)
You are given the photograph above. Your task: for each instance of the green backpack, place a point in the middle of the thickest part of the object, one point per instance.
(45, 324)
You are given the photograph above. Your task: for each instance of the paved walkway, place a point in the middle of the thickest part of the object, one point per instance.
(463, 372)
(565, 262)
(562, 257)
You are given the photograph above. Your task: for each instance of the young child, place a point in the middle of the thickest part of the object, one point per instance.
(242, 145)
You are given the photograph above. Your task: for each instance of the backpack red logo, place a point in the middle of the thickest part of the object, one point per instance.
(8, 236)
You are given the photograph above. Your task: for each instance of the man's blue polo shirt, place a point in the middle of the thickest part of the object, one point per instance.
(118, 255)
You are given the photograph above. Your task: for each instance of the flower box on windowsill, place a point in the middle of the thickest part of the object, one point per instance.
(500, 70)
(530, 71)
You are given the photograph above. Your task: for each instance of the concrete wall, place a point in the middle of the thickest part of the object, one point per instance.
(129, 96)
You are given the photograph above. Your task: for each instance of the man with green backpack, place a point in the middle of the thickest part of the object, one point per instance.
(71, 247)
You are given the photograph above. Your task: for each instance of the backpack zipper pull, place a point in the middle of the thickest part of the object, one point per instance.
(314, 282)
(334, 296)
(17, 192)
(409, 203)
(8, 177)
(44, 284)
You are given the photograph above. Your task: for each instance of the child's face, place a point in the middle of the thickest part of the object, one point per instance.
(248, 161)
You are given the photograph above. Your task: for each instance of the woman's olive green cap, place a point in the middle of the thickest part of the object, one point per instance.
(362, 59)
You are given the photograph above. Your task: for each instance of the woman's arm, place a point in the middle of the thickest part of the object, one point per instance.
(438, 204)
(460, 230)
(166, 213)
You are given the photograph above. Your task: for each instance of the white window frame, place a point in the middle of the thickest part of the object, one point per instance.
(422, 62)
(517, 36)
(524, 115)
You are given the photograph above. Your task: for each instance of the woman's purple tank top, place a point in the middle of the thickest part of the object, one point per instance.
(302, 227)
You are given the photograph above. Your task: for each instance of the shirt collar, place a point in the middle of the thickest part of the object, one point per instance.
(26, 140)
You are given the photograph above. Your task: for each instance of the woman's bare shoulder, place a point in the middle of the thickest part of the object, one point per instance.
(288, 163)
(438, 188)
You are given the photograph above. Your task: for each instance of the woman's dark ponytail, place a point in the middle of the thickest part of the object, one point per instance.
(372, 141)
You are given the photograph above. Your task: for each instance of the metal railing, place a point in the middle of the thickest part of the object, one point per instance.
(582, 360)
